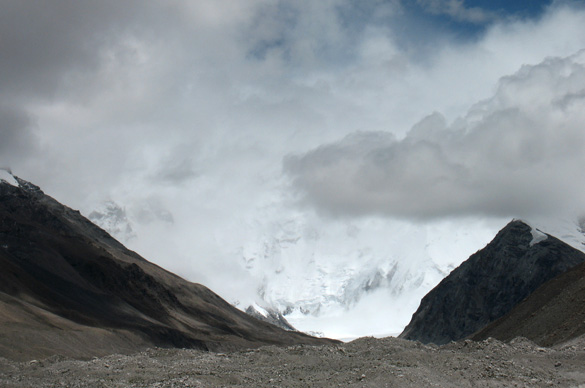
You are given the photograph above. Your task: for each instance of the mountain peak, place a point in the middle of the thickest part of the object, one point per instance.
(490, 283)
(9, 179)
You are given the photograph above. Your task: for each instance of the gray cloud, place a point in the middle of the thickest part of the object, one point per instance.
(176, 168)
(17, 139)
(43, 41)
(54, 54)
(520, 153)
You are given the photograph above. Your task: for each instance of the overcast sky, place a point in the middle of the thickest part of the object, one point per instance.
(216, 116)
(413, 109)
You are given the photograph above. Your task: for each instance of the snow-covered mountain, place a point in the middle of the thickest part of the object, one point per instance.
(325, 276)
(342, 278)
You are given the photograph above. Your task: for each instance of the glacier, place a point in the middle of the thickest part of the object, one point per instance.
(350, 279)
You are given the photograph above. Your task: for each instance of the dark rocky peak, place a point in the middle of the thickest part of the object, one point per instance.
(490, 283)
(11, 183)
(28, 187)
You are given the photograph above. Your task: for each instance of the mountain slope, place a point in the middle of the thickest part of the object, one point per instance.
(490, 283)
(553, 314)
(67, 287)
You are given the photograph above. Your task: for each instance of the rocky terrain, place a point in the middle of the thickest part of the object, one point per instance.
(68, 288)
(491, 283)
(552, 314)
(365, 362)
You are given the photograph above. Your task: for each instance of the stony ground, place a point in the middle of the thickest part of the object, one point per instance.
(365, 362)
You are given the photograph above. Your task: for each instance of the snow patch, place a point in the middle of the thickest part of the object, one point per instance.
(567, 229)
(260, 310)
(6, 176)
(537, 236)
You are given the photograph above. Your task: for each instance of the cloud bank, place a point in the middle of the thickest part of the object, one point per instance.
(95, 96)
(518, 153)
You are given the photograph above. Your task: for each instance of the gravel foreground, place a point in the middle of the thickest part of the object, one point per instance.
(365, 362)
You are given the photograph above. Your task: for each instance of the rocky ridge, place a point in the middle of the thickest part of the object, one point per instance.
(68, 288)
